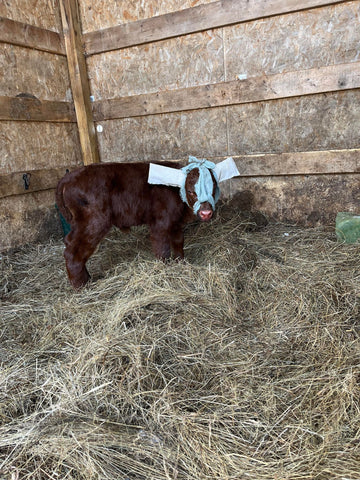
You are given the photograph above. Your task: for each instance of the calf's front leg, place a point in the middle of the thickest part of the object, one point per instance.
(177, 242)
(160, 243)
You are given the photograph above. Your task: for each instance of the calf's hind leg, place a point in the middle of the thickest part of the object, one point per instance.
(80, 245)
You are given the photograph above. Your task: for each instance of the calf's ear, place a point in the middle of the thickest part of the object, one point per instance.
(161, 175)
(226, 169)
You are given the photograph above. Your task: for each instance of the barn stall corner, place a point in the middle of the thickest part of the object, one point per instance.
(241, 362)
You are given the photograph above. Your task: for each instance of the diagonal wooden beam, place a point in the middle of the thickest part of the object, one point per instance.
(190, 20)
(79, 80)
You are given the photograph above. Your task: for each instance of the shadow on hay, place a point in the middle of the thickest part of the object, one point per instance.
(202, 241)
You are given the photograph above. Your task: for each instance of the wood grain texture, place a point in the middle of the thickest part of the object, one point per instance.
(267, 165)
(100, 14)
(38, 180)
(28, 218)
(299, 163)
(34, 110)
(291, 84)
(79, 80)
(306, 200)
(29, 71)
(37, 145)
(40, 13)
(196, 59)
(162, 137)
(307, 123)
(298, 41)
(202, 17)
(17, 33)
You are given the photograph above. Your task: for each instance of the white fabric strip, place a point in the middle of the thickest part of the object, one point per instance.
(161, 175)
(226, 169)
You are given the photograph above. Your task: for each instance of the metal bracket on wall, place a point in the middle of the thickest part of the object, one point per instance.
(26, 178)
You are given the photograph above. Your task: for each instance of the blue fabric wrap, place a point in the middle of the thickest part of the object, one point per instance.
(204, 186)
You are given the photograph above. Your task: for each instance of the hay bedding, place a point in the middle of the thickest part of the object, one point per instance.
(243, 363)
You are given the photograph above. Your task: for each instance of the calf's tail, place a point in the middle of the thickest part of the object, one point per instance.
(59, 197)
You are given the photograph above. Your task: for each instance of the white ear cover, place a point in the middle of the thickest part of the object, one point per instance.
(226, 169)
(161, 175)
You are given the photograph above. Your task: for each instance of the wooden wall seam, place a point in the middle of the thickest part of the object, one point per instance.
(331, 78)
(191, 20)
(29, 36)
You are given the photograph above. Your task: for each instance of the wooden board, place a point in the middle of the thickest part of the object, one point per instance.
(203, 17)
(35, 180)
(196, 59)
(17, 33)
(299, 163)
(100, 14)
(298, 124)
(163, 137)
(294, 42)
(306, 200)
(290, 84)
(32, 109)
(269, 165)
(79, 80)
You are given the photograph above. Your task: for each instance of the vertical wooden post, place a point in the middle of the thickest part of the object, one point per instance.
(79, 80)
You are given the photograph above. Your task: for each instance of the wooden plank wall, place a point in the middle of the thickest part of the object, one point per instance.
(38, 131)
(274, 84)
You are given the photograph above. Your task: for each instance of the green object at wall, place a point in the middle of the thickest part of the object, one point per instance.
(65, 225)
(348, 227)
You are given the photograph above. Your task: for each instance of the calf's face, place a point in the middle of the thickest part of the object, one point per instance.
(198, 182)
(205, 210)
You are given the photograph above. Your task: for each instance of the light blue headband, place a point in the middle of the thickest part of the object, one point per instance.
(204, 186)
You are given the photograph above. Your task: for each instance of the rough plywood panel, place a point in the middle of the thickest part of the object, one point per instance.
(28, 219)
(315, 122)
(303, 40)
(175, 136)
(41, 74)
(181, 62)
(306, 200)
(100, 14)
(36, 145)
(40, 13)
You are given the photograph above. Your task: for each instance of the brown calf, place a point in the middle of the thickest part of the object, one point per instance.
(95, 197)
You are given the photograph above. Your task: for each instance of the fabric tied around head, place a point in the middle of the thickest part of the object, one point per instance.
(204, 187)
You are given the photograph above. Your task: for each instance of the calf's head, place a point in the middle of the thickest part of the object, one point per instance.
(200, 190)
(198, 182)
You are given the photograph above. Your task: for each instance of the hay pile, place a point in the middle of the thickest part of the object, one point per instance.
(242, 363)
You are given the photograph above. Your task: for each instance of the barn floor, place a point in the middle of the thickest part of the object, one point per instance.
(241, 363)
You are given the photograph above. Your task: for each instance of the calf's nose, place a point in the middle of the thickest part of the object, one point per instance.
(205, 215)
